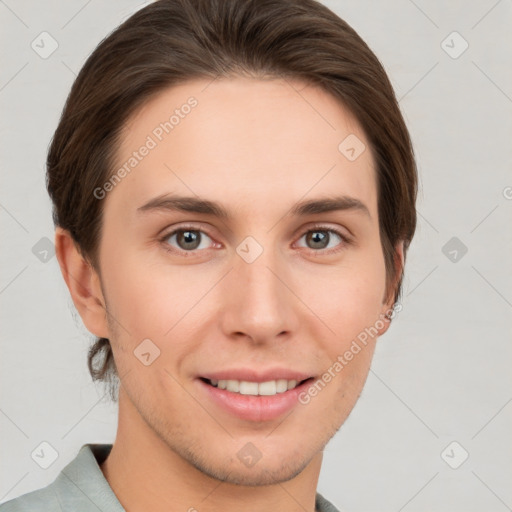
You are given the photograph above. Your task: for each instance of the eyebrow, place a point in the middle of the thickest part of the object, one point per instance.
(170, 202)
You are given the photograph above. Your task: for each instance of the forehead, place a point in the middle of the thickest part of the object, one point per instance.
(268, 142)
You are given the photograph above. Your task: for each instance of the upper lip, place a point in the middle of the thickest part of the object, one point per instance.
(252, 375)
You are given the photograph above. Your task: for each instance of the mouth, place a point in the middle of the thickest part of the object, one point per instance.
(254, 401)
(244, 387)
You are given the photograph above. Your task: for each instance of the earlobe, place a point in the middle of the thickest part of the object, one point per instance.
(83, 284)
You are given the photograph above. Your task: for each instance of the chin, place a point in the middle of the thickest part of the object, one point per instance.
(269, 473)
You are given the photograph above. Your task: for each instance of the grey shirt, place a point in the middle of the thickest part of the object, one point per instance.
(82, 487)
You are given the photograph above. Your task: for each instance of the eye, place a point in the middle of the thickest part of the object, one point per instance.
(187, 239)
(321, 238)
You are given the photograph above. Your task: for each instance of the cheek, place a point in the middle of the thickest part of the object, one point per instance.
(349, 297)
(154, 299)
(150, 304)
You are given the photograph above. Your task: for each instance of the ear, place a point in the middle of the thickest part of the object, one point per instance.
(387, 306)
(83, 283)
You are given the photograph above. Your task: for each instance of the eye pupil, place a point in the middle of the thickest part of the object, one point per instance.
(190, 238)
(320, 239)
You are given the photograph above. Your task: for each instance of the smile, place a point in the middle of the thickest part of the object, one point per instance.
(254, 401)
(244, 387)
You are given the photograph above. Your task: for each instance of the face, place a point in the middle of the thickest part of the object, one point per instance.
(267, 292)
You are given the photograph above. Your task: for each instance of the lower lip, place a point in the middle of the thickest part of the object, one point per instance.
(252, 407)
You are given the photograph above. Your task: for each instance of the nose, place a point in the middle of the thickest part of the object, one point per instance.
(258, 303)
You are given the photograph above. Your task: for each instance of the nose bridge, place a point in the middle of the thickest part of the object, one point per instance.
(258, 303)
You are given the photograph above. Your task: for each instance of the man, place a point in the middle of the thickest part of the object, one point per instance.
(233, 189)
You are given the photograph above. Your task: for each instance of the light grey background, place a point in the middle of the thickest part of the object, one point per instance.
(440, 374)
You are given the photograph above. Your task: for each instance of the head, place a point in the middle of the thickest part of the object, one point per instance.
(254, 108)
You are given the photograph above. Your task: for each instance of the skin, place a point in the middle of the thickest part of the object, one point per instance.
(257, 147)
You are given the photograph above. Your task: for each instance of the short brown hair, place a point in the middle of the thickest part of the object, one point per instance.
(172, 41)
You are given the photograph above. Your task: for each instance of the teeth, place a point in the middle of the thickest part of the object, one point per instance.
(292, 384)
(244, 387)
(247, 388)
(233, 385)
(281, 385)
(267, 388)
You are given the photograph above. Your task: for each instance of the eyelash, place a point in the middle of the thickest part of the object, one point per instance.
(319, 227)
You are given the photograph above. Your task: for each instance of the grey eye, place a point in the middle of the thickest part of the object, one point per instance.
(189, 239)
